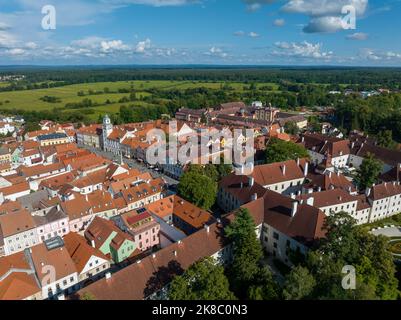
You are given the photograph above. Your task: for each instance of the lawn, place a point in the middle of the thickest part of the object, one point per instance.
(30, 99)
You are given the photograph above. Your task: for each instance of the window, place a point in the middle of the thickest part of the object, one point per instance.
(275, 244)
(275, 235)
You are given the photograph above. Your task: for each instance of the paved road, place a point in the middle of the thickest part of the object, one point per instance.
(132, 163)
(388, 232)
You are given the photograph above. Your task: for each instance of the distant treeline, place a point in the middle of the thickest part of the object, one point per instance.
(54, 77)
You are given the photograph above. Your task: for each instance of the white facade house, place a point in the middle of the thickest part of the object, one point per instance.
(18, 231)
(6, 128)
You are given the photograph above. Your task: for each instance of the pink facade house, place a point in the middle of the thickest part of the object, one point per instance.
(54, 223)
(142, 227)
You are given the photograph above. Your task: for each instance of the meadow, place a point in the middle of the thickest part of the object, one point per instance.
(31, 99)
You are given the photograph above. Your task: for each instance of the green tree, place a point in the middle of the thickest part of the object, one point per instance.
(264, 287)
(299, 284)
(291, 128)
(368, 172)
(204, 280)
(31, 126)
(198, 189)
(385, 139)
(247, 250)
(348, 244)
(278, 150)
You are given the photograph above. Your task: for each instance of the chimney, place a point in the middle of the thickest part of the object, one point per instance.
(319, 189)
(175, 253)
(306, 169)
(310, 201)
(254, 197)
(93, 243)
(292, 196)
(207, 228)
(367, 192)
(298, 161)
(283, 169)
(108, 275)
(251, 181)
(294, 208)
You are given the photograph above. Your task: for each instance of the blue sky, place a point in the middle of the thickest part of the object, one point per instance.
(265, 32)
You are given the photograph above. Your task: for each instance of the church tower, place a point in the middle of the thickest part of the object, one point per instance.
(107, 129)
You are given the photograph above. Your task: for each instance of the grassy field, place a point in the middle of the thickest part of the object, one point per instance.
(30, 99)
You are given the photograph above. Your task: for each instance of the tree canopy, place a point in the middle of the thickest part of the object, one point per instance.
(197, 188)
(204, 280)
(368, 172)
(278, 150)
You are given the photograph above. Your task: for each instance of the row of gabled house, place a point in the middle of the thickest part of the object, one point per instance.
(337, 153)
(288, 202)
(89, 212)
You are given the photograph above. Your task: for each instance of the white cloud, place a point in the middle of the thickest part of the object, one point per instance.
(253, 34)
(253, 5)
(216, 52)
(16, 52)
(279, 22)
(324, 15)
(142, 46)
(302, 50)
(324, 25)
(358, 36)
(319, 8)
(239, 33)
(113, 45)
(384, 56)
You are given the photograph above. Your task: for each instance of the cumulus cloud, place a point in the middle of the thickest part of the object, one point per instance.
(279, 22)
(324, 15)
(142, 46)
(302, 50)
(324, 25)
(216, 52)
(384, 56)
(239, 33)
(360, 36)
(253, 5)
(253, 34)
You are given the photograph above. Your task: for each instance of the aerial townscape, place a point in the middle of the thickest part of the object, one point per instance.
(200, 157)
(84, 215)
